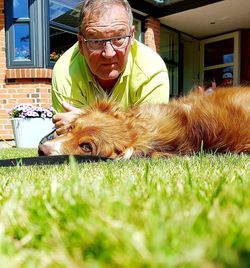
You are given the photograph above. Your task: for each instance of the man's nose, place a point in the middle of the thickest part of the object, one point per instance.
(108, 50)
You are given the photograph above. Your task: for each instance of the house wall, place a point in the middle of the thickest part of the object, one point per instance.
(152, 33)
(33, 85)
(19, 85)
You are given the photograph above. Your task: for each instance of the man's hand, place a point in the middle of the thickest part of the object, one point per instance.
(63, 121)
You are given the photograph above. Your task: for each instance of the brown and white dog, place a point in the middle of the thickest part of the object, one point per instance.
(219, 122)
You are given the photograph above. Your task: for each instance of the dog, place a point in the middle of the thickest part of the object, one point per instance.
(219, 122)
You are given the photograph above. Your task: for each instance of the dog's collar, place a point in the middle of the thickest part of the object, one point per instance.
(49, 136)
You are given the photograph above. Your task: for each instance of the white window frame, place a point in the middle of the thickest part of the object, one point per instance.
(138, 34)
(236, 62)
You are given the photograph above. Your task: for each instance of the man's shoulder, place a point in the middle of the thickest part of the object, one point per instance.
(145, 62)
(145, 58)
(69, 57)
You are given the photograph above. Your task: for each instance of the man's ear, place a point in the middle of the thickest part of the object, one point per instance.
(132, 33)
(80, 42)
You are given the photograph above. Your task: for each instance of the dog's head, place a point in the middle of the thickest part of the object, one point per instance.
(102, 129)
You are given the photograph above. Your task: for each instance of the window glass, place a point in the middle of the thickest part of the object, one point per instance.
(22, 42)
(60, 41)
(218, 74)
(138, 33)
(169, 51)
(220, 59)
(163, 2)
(20, 9)
(219, 52)
(65, 12)
(63, 26)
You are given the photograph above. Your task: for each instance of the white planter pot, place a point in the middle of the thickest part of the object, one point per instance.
(29, 131)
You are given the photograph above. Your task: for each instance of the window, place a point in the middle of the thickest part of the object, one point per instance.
(220, 56)
(20, 26)
(38, 32)
(169, 51)
(63, 26)
(138, 29)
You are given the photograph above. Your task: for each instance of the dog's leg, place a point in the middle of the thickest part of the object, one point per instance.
(127, 154)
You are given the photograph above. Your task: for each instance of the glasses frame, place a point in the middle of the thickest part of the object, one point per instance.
(105, 40)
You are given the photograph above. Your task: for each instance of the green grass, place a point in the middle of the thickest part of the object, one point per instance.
(179, 212)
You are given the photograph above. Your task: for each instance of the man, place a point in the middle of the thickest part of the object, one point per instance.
(107, 62)
(227, 80)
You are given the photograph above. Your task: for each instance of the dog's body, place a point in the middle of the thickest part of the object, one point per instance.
(218, 122)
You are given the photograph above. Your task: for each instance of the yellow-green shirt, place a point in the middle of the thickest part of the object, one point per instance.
(145, 79)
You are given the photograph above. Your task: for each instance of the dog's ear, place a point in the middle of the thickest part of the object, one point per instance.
(127, 154)
(108, 107)
(104, 106)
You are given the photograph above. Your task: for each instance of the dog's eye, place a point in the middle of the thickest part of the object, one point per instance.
(86, 147)
(70, 128)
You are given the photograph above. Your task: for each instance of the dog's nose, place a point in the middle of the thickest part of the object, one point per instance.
(43, 150)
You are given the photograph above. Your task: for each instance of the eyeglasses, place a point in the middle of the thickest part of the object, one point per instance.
(117, 42)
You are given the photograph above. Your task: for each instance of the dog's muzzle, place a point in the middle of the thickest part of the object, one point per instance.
(42, 147)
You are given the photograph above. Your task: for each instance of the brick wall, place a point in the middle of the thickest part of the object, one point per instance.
(34, 85)
(152, 33)
(19, 85)
(21, 90)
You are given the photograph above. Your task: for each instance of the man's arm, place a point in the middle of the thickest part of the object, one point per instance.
(63, 120)
(66, 112)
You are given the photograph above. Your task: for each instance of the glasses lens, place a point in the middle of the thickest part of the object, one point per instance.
(95, 44)
(116, 42)
(119, 42)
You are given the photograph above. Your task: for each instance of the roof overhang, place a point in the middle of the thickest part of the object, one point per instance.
(198, 18)
(161, 8)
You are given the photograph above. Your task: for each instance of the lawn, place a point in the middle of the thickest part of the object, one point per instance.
(179, 212)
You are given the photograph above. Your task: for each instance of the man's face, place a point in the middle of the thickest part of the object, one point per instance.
(106, 22)
(227, 82)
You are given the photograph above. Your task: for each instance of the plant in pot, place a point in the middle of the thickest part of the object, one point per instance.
(30, 124)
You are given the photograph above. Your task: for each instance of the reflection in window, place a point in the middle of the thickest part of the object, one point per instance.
(138, 34)
(22, 41)
(163, 2)
(221, 59)
(64, 12)
(169, 51)
(217, 75)
(60, 41)
(219, 52)
(20, 9)
(228, 58)
(63, 26)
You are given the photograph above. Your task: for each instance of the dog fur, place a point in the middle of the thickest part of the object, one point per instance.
(219, 122)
